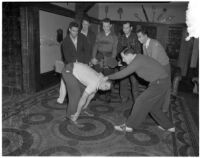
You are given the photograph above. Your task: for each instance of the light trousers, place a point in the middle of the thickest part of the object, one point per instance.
(62, 92)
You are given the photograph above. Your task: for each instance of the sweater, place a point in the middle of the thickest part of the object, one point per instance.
(146, 67)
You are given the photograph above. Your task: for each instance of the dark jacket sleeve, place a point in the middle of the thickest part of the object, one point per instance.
(124, 72)
(137, 45)
(119, 45)
(86, 50)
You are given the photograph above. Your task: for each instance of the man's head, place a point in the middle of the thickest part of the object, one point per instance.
(106, 25)
(127, 55)
(127, 28)
(104, 84)
(85, 23)
(73, 29)
(142, 35)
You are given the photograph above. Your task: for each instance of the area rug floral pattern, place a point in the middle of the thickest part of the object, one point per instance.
(36, 126)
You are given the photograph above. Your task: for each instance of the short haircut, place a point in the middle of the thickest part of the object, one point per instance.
(85, 18)
(128, 51)
(127, 22)
(143, 31)
(106, 20)
(73, 24)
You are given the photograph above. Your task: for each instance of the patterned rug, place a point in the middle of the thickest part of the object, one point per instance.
(36, 126)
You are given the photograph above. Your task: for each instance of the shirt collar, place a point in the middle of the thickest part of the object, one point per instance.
(74, 39)
(147, 43)
(128, 35)
(107, 33)
(85, 33)
(134, 55)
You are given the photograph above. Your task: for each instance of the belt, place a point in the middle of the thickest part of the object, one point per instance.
(157, 81)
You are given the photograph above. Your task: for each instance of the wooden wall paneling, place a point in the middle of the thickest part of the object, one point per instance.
(30, 48)
(11, 49)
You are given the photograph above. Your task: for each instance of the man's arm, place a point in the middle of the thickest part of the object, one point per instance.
(114, 49)
(159, 54)
(119, 45)
(81, 103)
(94, 52)
(86, 49)
(88, 100)
(155, 51)
(123, 73)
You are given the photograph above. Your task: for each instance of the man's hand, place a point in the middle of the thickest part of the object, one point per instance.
(94, 61)
(120, 63)
(105, 78)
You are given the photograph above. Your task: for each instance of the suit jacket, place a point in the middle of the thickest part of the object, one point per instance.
(156, 51)
(71, 54)
(91, 37)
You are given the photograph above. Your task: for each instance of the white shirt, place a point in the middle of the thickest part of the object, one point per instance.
(147, 43)
(107, 33)
(127, 35)
(87, 76)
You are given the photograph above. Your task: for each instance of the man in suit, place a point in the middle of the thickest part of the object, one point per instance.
(74, 48)
(152, 99)
(154, 49)
(128, 39)
(90, 35)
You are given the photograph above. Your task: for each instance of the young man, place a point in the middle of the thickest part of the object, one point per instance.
(105, 47)
(129, 40)
(74, 48)
(82, 82)
(154, 49)
(152, 99)
(90, 36)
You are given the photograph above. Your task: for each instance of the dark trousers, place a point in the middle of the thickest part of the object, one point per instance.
(165, 107)
(124, 83)
(151, 101)
(74, 90)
